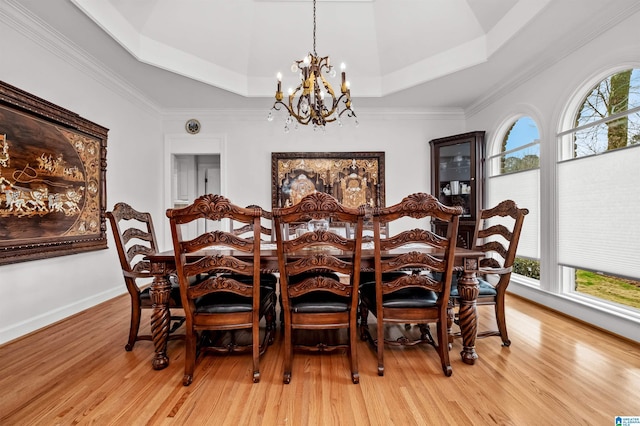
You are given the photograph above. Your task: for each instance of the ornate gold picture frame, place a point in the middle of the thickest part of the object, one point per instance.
(354, 178)
(52, 179)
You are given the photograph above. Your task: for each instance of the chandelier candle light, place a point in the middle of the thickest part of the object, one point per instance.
(314, 100)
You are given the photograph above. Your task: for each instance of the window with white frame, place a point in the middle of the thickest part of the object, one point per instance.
(597, 196)
(514, 173)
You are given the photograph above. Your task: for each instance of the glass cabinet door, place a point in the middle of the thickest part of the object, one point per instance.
(457, 179)
(455, 176)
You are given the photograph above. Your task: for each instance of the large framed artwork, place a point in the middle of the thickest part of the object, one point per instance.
(52, 179)
(354, 178)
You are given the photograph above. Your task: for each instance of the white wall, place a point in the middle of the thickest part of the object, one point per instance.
(544, 97)
(37, 293)
(250, 139)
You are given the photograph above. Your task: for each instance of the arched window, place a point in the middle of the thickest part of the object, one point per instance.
(520, 147)
(597, 201)
(517, 149)
(608, 117)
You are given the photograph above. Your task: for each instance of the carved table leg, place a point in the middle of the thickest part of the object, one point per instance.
(468, 315)
(160, 320)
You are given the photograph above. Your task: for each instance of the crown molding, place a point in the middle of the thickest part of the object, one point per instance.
(15, 15)
(595, 28)
(379, 114)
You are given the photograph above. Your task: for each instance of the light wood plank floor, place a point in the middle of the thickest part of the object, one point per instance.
(556, 371)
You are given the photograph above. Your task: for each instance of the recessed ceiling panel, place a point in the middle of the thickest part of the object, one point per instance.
(240, 45)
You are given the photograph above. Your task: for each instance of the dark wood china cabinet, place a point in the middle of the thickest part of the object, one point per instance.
(457, 179)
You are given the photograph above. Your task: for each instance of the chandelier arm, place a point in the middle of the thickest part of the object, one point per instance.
(349, 111)
(309, 83)
(328, 88)
(300, 119)
(330, 112)
(297, 107)
(335, 102)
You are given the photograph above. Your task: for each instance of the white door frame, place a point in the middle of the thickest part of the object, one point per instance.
(183, 144)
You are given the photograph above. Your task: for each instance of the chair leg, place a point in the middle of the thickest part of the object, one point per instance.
(288, 349)
(279, 301)
(443, 350)
(270, 319)
(273, 317)
(355, 376)
(425, 334)
(364, 321)
(136, 312)
(190, 356)
(380, 344)
(502, 321)
(255, 331)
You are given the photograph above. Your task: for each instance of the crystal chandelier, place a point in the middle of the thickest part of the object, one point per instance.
(314, 100)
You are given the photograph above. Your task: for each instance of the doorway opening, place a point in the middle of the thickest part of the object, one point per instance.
(193, 176)
(194, 165)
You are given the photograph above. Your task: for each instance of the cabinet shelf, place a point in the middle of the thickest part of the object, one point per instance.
(457, 179)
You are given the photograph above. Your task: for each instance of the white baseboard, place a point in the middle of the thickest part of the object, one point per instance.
(600, 315)
(20, 329)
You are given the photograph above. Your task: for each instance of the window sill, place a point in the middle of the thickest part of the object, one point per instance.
(609, 317)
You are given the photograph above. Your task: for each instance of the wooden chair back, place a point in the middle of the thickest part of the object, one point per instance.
(422, 296)
(130, 225)
(497, 234)
(497, 238)
(319, 273)
(242, 229)
(246, 229)
(367, 228)
(135, 238)
(213, 294)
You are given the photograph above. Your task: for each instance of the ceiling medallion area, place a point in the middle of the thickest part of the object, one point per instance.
(314, 101)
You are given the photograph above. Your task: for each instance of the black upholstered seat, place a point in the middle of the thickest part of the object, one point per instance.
(407, 298)
(223, 303)
(486, 289)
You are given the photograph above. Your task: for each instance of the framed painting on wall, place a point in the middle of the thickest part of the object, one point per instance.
(354, 178)
(52, 179)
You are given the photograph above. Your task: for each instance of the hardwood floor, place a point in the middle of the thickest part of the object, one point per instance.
(556, 371)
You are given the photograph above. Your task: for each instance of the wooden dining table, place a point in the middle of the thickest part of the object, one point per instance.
(163, 265)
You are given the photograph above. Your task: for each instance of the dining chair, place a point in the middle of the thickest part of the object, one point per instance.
(241, 229)
(497, 234)
(214, 300)
(367, 228)
(246, 229)
(267, 278)
(135, 238)
(266, 225)
(368, 237)
(416, 298)
(319, 276)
